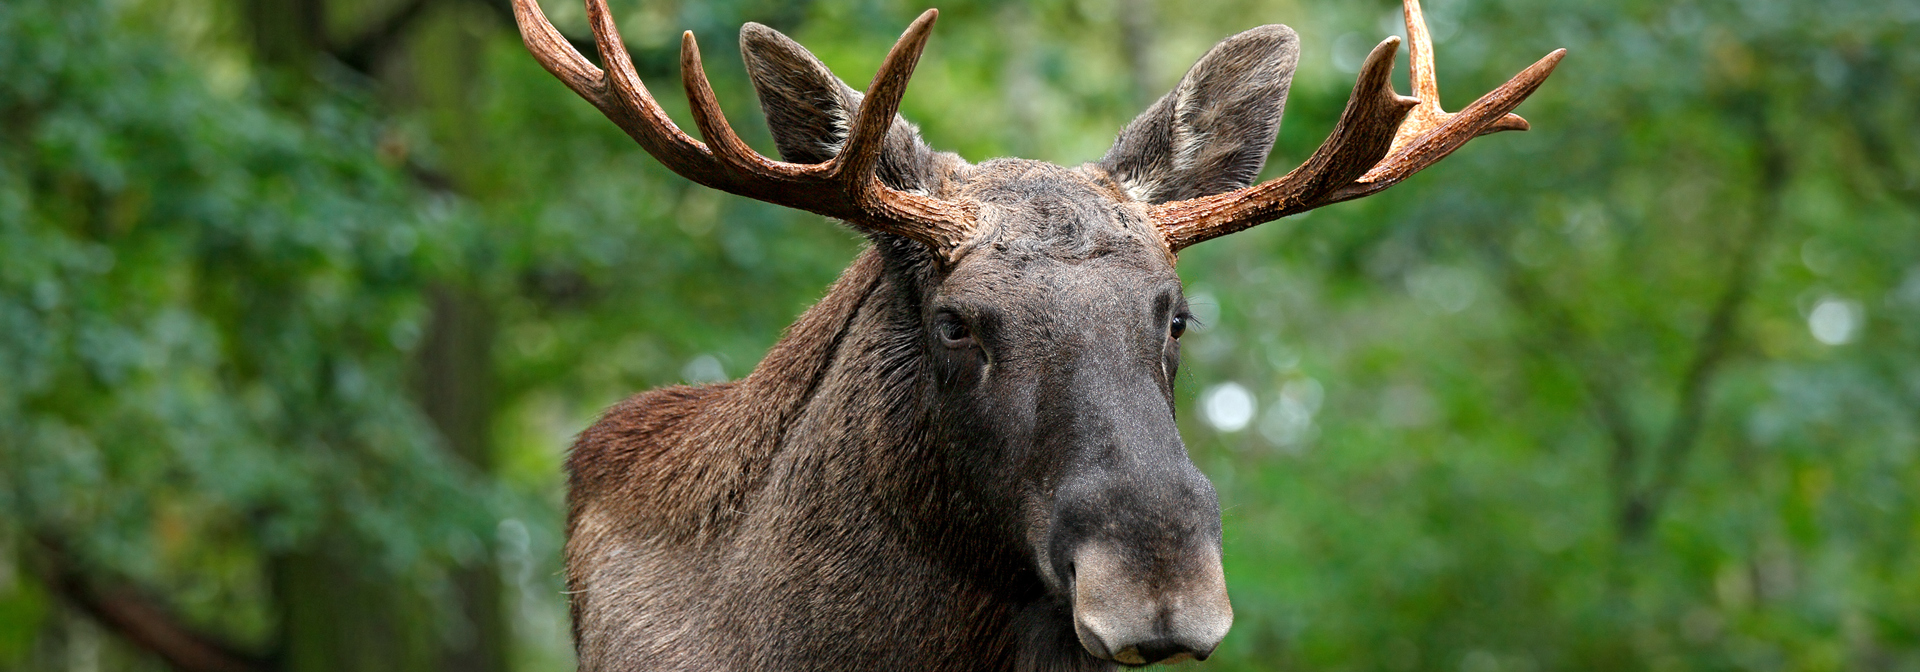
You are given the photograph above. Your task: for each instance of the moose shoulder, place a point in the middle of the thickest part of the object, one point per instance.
(965, 456)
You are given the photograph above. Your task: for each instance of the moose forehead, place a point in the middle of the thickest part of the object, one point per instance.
(1057, 246)
(1033, 212)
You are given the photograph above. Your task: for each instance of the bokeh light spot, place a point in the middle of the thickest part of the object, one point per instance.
(1227, 406)
(1835, 321)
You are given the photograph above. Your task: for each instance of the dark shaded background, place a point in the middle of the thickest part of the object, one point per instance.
(301, 301)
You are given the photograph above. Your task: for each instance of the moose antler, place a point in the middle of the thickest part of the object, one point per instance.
(1382, 138)
(846, 187)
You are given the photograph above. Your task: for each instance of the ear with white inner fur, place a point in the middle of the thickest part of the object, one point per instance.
(1212, 133)
(809, 111)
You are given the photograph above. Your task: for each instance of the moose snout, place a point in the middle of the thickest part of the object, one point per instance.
(1128, 610)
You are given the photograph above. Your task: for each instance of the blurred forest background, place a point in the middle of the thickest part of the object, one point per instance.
(302, 300)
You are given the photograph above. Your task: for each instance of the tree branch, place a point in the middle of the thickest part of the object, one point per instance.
(662, 63)
(1867, 80)
(1714, 345)
(653, 65)
(1602, 389)
(1639, 505)
(1137, 29)
(1875, 145)
(365, 52)
(140, 620)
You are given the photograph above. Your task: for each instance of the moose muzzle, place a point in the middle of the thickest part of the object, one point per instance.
(1140, 608)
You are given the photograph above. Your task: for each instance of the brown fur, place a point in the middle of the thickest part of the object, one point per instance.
(871, 498)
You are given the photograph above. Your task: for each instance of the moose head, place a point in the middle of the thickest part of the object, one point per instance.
(1037, 309)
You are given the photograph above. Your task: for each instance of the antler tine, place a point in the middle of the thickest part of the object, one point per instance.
(1357, 143)
(941, 225)
(556, 54)
(1420, 54)
(1428, 115)
(1489, 114)
(721, 139)
(1418, 135)
(845, 188)
(1364, 131)
(860, 156)
(633, 109)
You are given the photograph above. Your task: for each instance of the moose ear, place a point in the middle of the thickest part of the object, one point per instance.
(809, 111)
(1212, 133)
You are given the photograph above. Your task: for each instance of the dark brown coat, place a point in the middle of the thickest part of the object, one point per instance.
(964, 457)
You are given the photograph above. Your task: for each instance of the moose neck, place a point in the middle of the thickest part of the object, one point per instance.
(859, 442)
(859, 473)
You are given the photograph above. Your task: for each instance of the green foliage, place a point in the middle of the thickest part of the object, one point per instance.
(205, 313)
(1635, 389)
(1533, 449)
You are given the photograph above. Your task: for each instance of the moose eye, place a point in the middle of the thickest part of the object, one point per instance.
(1178, 327)
(954, 333)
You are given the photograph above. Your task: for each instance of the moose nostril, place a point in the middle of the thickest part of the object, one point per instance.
(1163, 650)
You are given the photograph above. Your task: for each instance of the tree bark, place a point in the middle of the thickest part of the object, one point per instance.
(456, 389)
(287, 33)
(333, 617)
(135, 616)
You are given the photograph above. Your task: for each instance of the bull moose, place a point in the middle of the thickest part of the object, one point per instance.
(964, 456)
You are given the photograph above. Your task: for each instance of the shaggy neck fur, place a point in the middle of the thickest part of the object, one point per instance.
(803, 517)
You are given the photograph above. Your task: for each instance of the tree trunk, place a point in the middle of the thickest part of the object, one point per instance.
(332, 617)
(457, 393)
(335, 617)
(287, 33)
